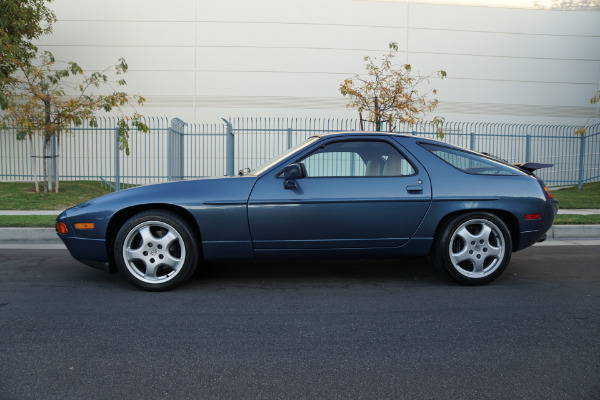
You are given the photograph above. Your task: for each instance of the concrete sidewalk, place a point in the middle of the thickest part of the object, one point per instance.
(583, 211)
(30, 212)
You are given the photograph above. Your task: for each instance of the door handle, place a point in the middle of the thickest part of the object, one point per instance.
(414, 189)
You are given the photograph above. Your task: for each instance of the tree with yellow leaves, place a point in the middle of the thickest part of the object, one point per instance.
(595, 99)
(390, 93)
(49, 99)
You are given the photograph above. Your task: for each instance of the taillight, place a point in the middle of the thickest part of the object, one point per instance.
(533, 216)
(548, 194)
(61, 228)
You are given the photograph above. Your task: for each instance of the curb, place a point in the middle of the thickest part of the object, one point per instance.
(48, 235)
(574, 232)
(28, 235)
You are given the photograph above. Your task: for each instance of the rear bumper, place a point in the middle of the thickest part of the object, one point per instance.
(529, 238)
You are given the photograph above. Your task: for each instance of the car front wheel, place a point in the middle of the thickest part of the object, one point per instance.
(473, 248)
(156, 250)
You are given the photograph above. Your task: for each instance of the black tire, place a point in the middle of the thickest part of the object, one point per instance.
(473, 248)
(156, 250)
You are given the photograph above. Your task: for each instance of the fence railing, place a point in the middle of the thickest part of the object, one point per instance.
(175, 150)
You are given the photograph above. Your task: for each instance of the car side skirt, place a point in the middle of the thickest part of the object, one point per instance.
(414, 247)
(227, 250)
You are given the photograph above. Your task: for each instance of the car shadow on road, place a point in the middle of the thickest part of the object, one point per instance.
(399, 271)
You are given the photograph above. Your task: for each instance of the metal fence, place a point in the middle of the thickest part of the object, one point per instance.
(175, 150)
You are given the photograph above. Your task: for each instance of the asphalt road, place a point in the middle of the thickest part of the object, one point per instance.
(317, 330)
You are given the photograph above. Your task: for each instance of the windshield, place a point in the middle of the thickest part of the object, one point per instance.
(262, 168)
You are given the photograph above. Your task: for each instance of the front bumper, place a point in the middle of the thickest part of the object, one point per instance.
(91, 252)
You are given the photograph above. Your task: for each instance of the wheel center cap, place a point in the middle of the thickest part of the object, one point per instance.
(153, 252)
(477, 248)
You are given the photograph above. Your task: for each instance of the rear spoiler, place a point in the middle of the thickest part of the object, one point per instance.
(531, 166)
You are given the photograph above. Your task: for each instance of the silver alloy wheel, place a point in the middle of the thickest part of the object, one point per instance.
(477, 248)
(154, 252)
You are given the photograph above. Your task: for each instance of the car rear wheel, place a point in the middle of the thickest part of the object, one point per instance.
(473, 248)
(156, 250)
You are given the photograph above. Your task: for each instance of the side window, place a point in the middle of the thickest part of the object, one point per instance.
(356, 158)
(470, 163)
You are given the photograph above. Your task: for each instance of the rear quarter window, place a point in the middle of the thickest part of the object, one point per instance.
(469, 162)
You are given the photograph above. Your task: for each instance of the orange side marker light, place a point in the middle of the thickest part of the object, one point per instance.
(61, 228)
(86, 225)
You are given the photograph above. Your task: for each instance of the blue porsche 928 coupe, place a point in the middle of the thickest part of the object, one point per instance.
(351, 194)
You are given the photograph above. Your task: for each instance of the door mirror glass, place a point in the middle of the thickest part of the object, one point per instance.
(291, 173)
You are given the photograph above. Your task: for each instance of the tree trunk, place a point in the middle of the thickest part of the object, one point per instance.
(45, 164)
(56, 179)
(47, 137)
(377, 116)
(34, 164)
(57, 164)
(49, 161)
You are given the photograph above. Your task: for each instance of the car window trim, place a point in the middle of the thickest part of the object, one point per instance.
(360, 139)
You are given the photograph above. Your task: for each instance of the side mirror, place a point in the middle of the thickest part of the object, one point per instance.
(291, 173)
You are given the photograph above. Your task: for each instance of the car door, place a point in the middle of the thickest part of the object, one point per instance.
(358, 193)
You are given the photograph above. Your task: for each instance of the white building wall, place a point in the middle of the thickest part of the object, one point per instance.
(200, 60)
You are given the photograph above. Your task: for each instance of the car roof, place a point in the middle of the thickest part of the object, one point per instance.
(408, 136)
(365, 133)
(381, 134)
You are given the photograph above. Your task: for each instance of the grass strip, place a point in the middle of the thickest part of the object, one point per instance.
(27, 221)
(574, 219)
(573, 198)
(22, 195)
